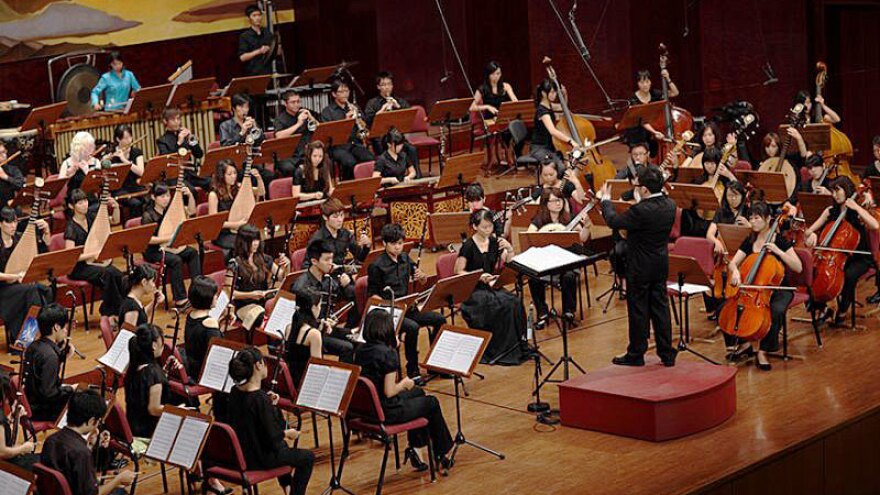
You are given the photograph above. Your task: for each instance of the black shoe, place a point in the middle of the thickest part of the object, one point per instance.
(215, 491)
(874, 299)
(410, 455)
(669, 363)
(762, 366)
(444, 464)
(839, 319)
(712, 316)
(627, 360)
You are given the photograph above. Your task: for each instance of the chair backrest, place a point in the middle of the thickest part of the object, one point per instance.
(281, 188)
(56, 242)
(518, 131)
(676, 226)
(360, 292)
(364, 170)
(133, 222)
(805, 175)
(202, 209)
(476, 122)
(742, 165)
(219, 277)
(50, 481)
(107, 331)
(805, 277)
(297, 259)
(696, 247)
(446, 265)
(420, 120)
(285, 386)
(365, 402)
(117, 424)
(222, 448)
(874, 243)
(177, 374)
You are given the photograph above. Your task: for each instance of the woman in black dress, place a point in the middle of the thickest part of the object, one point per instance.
(200, 328)
(401, 400)
(393, 166)
(261, 430)
(127, 154)
(21, 455)
(141, 282)
(256, 276)
(646, 93)
(146, 386)
(495, 310)
(224, 187)
(102, 275)
(488, 99)
(546, 103)
(311, 180)
(16, 298)
(304, 337)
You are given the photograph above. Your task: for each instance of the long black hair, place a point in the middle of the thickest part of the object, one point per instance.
(140, 349)
(379, 328)
(241, 367)
(138, 274)
(305, 300)
(485, 88)
(246, 235)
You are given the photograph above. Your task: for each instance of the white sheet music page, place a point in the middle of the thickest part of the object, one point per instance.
(222, 302)
(216, 373)
(163, 436)
(455, 351)
(116, 357)
(545, 258)
(396, 316)
(186, 447)
(281, 316)
(334, 389)
(310, 393)
(11, 484)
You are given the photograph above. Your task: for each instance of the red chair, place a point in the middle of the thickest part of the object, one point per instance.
(742, 165)
(699, 248)
(365, 415)
(422, 140)
(121, 440)
(360, 293)
(223, 453)
(28, 425)
(50, 481)
(56, 243)
(181, 384)
(477, 129)
(107, 334)
(297, 259)
(804, 295)
(676, 226)
(364, 170)
(202, 209)
(445, 265)
(281, 188)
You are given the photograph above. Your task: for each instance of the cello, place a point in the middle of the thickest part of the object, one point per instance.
(675, 120)
(841, 150)
(837, 241)
(746, 314)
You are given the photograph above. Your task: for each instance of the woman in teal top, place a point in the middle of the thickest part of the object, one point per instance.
(116, 85)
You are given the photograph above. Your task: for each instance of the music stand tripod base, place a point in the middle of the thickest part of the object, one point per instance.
(459, 438)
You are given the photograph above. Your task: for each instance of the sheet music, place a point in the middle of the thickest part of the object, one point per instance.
(62, 421)
(11, 484)
(189, 439)
(323, 388)
(222, 303)
(216, 373)
(546, 258)
(396, 316)
(163, 436)
(334, 389)
(455, 351)
(117, 356)
(688, 288)
(281, 316)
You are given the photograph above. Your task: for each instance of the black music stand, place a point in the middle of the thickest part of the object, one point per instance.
(191, 92)
(686, 270)
(149, 100)
(126, 242)
(250, 85)
(445, 112)
(309, 77)
(199, 230)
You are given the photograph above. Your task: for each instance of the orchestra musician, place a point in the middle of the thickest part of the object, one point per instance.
(80, 162)
(349, 154)
(344, 241)
(544, 130)
(305, 333)
(311, 179)
(393, 166)
(488, 308)
(395, 270)
(22, 455)
(488, 99)
(255, 276)
(175, 137)
(645, 93)
(385, 101)
(116, 85)
(16, 298)
(262, 431)
(236, 130)
(709, 139)
(771, 145)
(569, 185)
(11, 178)
(402, 400)
(815, 165)
(200, 327)
(648, 224)
(254, 44)
(129, 155)
(829, 116)
(43, 358)
(692, 222)
(145, 383)
(224, 188)
(638, 157)
(294, 119)
(69, 450)
(173, 259)
(141, 282)
(783, 250)
(475, 198)
(553, 212)
(734, 210)
(872, 171)
(857, 264)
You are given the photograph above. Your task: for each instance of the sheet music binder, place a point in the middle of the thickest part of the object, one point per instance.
(179, 437)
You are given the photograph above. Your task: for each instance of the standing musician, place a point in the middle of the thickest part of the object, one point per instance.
(488, 308)
(385, 101)
(344, 241)
(553, 215)
(294, 119)
(394, 166)
(175, 137)
(141, 282)
(69, 451)
(11, 178)
(22, 455)
(43, 358)
(200, 327)
(236, 130)
(16, 298)
(829, 116)
(254, 44)
(319, 278)
(311, 179)
(305, 333)
(734, 210)
(117, 85)
(172, 259)
(80, 162)
(103, 275)
(648, 224)
(255, 276)
(349, 154)
(544, 130)
(261, 430)
(567, 183)
(817, 184)
(646, 94)
(475, 198)
(395, 270)
(489, 96)
(129, 155)
(224, 188)
(842, 190)
(783, 251)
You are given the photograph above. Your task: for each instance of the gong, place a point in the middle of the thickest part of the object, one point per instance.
(76, 87)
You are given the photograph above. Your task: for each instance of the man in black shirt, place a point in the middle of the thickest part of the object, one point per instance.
(176, 136)
(293, 120)
(387, 102)
(648, 224)
(346, 154)
(394, 269)
(343, 240)
(254, 44)
(43, 358)
(11, 179)
(236, 130)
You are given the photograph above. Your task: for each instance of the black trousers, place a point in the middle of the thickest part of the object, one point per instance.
(412, 404)
(302, 461)
(337, 344)
(15, 301)
(856, 266)
(647, 304)
(108, 279)
(349, 155)
(413, 321)
(174, 268)
(569, 293)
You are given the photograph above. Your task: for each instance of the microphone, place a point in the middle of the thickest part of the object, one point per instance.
(446, 76)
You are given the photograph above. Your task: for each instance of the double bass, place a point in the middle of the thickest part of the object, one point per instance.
(675, 120)
(836, 242)
(841, 150)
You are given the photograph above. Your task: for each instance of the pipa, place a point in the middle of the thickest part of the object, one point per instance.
(100, 229)
(175, 214)
(244, 202)
(26, 249)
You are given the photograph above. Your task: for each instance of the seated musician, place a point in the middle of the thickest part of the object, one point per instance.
(568, 182)
(116, 85)
(173, 258)
(349, 154)
(783, 251)
(16, 298)
(872, 171)
(141, 283)
(544, 130)
(22, 455)
(395, 269)
(293, 120)
(829, 116)
(385, 101)
(177, 136)
(344, 241)
(200, 328)
(224, 187)
(69, 450)
(553, 216)
(103, 275)
(693, 224)
(43, 358)
(80, 162)
(237, 129)
(857, 264)
(815, 165)
(320, 278)
(709, 139)
(305, 333)
(638, 158)
(256, 275)
(393, 166)
(734, 210)
(11, 178)
(402, 400)
(260, 427)
(488, 99)
(644, 94)
(311, 180)
(772, 145)
(145, 383)
(488, 308)
(127, 154)
(475, 198)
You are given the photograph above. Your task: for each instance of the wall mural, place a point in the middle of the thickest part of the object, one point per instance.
(41, 28)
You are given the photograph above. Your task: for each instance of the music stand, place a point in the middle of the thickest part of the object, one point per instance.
(773, 183)
(460, 171)
(449, 227)
(149, 100)
(516, 110)
(277, 149)
(402, 120)
(812, 205)
(523, 219)
(40, 118)
(357, 192)
(451, 291)
(618, 187)
(687, 175)
(541, 239)
(333, 133)
(688, 196)
(17, 480)
(250, 85)
(273, 212)
(213, 156)
(199, 230)
(732, 235)
(685, 270)
(126, 242)
(465, 347)
(314, 75)
(51, 188)
(159, 168)
(93, 181)
(49, 266)
(817, 137)
(445, 112)
(637, 115)
(191, 92)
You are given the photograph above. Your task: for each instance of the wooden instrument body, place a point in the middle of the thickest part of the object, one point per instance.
(100, 229)
(26, 250)
(788, 171)
(753, 322)
(828, 276)
(245, 200)
(841, 149)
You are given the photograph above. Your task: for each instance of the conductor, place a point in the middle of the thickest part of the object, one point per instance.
(648, 224)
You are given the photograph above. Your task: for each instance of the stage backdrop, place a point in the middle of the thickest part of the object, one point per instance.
(38, 28)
